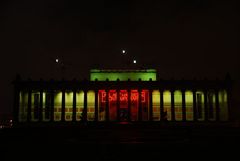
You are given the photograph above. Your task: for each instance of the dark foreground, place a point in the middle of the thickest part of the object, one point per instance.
(120, 142)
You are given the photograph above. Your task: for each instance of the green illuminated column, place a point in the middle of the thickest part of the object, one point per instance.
(118, 105)
(63, 106)
(217, 105)
(41, 106)
(150, 106)
(139, 105)
(96, 105)
(172, 106)
(84, 113)
(183, 106)
(107, 105)
(129, 105)
(195, 117)
(161, 105)
(52, 106)
(205, 106)
(29, 106)
(74, 106)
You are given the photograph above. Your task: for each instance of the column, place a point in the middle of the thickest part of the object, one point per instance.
(217, 106)
(139, 105)
(52, 106)
(205, 106)
(183, 106)
(172, 106)
(161, 106)
(229, 103)
(29, 110)
(107, 105)
(16, 105)
(63, 106)
(118, 105)
(96, 105)
(41, 106)
(150, 106)
(129, 105)
(84, 113)
(195, 116)
(74, 105)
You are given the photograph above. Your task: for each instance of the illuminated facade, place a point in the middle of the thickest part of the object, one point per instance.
(120, 96)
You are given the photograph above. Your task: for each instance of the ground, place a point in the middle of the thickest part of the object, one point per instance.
(119, 142)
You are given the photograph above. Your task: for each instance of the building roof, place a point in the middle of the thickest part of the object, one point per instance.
(123, 75)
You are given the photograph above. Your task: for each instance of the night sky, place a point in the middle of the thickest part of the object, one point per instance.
(180, 38)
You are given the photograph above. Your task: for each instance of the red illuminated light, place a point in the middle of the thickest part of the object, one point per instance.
(112, 96)
(123, 95)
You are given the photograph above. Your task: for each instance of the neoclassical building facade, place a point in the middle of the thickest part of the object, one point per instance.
(121, 96)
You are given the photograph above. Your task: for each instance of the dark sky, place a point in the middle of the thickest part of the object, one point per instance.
(180, 38)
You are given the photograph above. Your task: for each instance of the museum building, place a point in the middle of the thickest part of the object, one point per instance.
(121, 96)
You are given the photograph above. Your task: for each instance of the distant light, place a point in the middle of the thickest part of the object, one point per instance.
(134, 61)
(123, 51)
(57, 60)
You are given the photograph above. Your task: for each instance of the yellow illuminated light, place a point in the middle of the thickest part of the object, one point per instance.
(167, 103)
(178, 105)
(90, 105)
(223, 105)
(156, 105)
(68, 105)
(79, 104)
(189, 105)
(57, 106)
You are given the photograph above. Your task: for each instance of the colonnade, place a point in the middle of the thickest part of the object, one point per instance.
(211, 103)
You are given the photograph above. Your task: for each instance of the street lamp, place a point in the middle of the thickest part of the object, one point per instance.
(56, 60)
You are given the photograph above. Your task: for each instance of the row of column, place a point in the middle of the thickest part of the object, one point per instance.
(84, 113)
